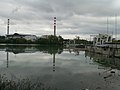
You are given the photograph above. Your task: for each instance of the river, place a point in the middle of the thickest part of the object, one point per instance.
(64, 69)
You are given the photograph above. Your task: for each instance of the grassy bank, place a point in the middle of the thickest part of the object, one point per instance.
(24, 84)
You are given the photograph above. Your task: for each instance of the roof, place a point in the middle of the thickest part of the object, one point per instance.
(16, 34)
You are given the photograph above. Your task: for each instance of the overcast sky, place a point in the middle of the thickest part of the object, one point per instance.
(74, 17)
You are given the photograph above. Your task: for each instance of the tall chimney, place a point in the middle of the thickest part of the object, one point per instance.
(54, 26)
(8, 27)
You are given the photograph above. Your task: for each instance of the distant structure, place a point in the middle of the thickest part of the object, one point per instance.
(102, 39)
(54, 26)
(44, 36)
(8, 26)
(25, 36)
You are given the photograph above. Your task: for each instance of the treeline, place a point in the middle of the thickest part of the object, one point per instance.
(77, 41)
(82, 41)
(51, 40)
(2, 39)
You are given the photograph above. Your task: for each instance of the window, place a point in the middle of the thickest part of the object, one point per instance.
(98, 39)
(109, 39)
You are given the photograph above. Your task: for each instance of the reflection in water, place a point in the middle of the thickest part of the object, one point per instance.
(7, 59)
(72, 72)
(109, 65)
(54, 62)
(104, 60)
(31, 49)
(75, 50)
(21, 49)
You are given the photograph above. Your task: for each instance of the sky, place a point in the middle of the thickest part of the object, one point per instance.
(74, 17)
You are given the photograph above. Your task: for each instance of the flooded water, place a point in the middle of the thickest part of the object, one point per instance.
(64, 69)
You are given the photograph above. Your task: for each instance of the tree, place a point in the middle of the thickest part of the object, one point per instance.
(51, 40)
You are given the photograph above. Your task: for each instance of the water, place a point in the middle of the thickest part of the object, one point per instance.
(64, 69)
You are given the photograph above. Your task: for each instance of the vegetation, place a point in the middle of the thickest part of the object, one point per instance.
(2, 39)
(81, 41)
(116, 41)
(49, 40)
(24, 84)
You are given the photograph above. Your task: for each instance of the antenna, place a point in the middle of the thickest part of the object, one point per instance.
(116, 26)
(107, 25)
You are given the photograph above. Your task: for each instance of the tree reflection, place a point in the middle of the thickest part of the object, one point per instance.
(17, 49)
(31, 49)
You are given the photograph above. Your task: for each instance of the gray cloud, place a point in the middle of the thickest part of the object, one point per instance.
(74, 17)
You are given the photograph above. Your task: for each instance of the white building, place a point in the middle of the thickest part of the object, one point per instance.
(25, 36)
(102, 39)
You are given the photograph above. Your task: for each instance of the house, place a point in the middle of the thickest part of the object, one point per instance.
(25, 36)
(102, 39)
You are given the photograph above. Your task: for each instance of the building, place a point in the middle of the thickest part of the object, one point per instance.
(25, 36)
(102, 39)
(45, 36)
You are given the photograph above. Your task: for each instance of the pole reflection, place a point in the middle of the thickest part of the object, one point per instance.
(53, 62)
(7, 59)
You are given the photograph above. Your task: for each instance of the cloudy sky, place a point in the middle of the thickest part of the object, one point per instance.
(74, 17)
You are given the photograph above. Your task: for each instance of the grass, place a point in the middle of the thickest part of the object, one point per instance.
(24, 84)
